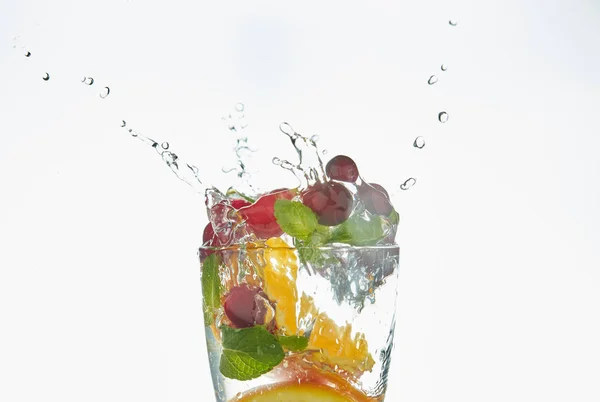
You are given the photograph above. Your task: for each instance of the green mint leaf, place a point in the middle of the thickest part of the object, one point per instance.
(358, 231)
(394, 217)
(309, 251)
(211, 287)
(295, 218)
(293, 343)
(249, 352)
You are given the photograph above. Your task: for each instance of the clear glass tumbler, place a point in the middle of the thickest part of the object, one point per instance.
(299, 324)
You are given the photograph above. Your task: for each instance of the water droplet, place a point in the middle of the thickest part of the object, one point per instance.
(408, 184)
(324, 152)
(239, 107)
(314, 138)
(444, 67)
(46, 77)
(287, 129)
(123, 123)
(443, 117)
(432, 80)
(419, 142)
(165, 145)
(87, 80)
(453, 23)
(105, 92)
(27, 53)
(276, 161)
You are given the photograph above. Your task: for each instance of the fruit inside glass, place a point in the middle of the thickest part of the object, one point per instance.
(299, 286)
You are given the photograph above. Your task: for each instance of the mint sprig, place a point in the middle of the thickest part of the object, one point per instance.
(249, 352)
(293, 343)
(359, 231)
(295, 218)
(211, 287)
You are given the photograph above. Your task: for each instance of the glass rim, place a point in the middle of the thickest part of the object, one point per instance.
(237, 247)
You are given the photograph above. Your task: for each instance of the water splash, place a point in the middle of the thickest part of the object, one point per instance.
(309, 169)
(408, 183)
(46, 76)
(105, 92)
(123, 123)
(419, 142)
(27, 53)
(432, 80)
(443, 117)
(88, 80)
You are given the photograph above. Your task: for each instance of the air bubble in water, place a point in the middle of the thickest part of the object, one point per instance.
(87, 80)
(453, 23)
(419, 142)
(27, 53)
(408, 183)
(46, 77)
(443, 117)
(123, 123)
(444, 67)
(239, 107)
(105, 92)
(432, 80)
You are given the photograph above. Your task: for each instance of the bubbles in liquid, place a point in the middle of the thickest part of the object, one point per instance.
(105, 92)
(87, 80)
(27, 53)
(239, 107)
(443, 117)
(432, 80)
(453, 23)
(123, 123)
(443, 67)
(408, 183)
(46, 77)
(419, 142)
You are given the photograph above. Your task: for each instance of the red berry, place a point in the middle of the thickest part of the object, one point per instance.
(239, 203)
(260, 216)
(375, 198)
(342, 168)
(240, 306)
(331, 201)
(208, 237)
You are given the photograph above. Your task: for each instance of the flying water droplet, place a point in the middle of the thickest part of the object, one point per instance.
(239, 107)
(46, 77)
(287, 129)
(123, 123)
(453, 23)
(443, 117)
(419, 142)
(408, 184)
(27, 53)
(165, 145)
(105, 92)
(324, 152)
(87, 80)
(276, 161)
(432, 80)
(444, 67)
(314, 138)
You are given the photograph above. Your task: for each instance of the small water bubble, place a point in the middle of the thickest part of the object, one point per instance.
(105, 92)
(408, 183)
(165, 145)
(46, 77)
(123, 123)
(314, 138)
(443, 117)
(287, 129)
(432, 80)
(419, 142)
(276, 161)
(453, 23)
(239, 107)
(27, 53)
(444, 67)
(87, 80)
(324, 152)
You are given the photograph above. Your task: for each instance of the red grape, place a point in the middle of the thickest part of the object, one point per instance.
(342, 168)
(239, 203)
(331, 201)
(240, 306)
(375, 198)
(260, 216)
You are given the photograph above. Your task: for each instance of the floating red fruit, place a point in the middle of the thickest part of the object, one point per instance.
(260, 216)
(331, 202)
(375, 198)
(239, 203)
(246, 307)
(342, 168)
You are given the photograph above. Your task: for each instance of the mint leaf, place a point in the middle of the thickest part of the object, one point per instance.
(309, 251)
(295, 218)
(249, 352)
(394, 217)
(211, 287)
(358, 231)
(293, 343)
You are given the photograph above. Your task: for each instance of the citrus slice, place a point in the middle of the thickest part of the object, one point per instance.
(297, 393)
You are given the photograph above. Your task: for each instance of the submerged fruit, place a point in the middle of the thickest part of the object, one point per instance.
(296, 393)
(375, 198)
(331, 201)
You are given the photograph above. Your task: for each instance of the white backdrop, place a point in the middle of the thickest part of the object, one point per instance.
(99, 280)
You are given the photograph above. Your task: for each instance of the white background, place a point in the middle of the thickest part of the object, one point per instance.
(99, 280)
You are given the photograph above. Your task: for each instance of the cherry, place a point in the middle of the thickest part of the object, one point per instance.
(239, 203)
(375, 198)
(260, 216)
(246, 307)
(331, 201)
(342, 168)
(208, 240)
